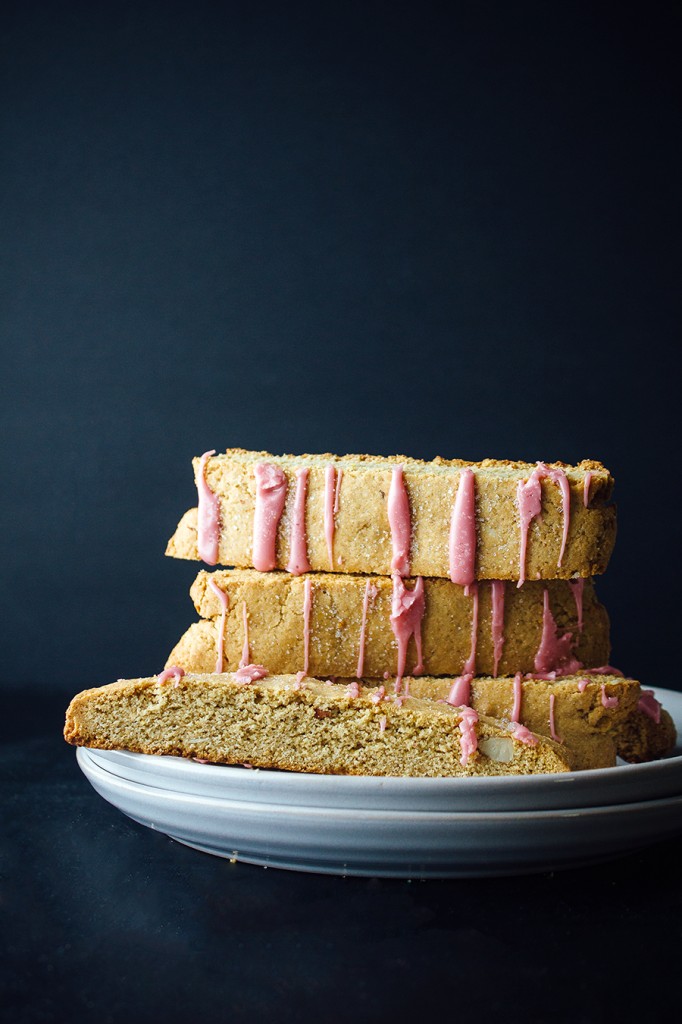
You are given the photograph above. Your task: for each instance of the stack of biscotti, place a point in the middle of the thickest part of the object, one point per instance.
(369, 600)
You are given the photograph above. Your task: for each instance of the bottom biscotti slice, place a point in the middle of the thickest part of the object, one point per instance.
(305, 726)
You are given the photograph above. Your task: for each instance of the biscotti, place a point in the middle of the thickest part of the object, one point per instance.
(452, 519)
(568, 709)
(345, 625)
(304, 726)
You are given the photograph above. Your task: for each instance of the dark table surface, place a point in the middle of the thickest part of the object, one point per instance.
(106, 920)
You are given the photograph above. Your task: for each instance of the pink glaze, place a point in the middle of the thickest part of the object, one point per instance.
(307, 603)
(467, 724)
(378, 695)
(399, 698)
(298, 684)
(497, 622)
(462, 547)
(555, 653)
(524, 735)
(650, 706)
(578, 586)
(400, 523)
(271, 492)
(541, 675)
(208, 528)
(407, 612)
(249, 673)
(608, 702)
(583, 684)
(586, 490)
(298, 557)
(470, 663)
(301, 675)
(173, 672)
(220, 633)
(352, 690)
(370, 593)
(329, 502)
(460, 691)
(517, 687)
(382, 725)
(552, 731)
(529, 501)
(246, 653)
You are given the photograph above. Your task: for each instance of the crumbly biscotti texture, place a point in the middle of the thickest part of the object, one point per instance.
(582, 707)
(275, 601)
(362, 537)
(304, 727)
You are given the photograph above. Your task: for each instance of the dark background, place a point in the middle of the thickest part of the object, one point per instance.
(345, 227)
(350, 227)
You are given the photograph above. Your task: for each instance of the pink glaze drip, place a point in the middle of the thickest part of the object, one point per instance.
(271, 492)
(524, 735)
(352, 690)
(555, 653)
(470, 663)
(249, 673)
(301, 675)
(578, 586)
(329, 509)
(307, 603)
(382, 725)
(462, 547)
(497, 621)
(298, 558)
(173, 672)
(467, 724)
(460, 691)
(407, 612)
(370, 594)
(586, 489)
(608, 702)
(529, 501)
(400, 523)
(246, 653)
(208, 528)
(220, 632)
(583, 684)
(552, 731)
(378, 695)
(648, 704)
(517, 687)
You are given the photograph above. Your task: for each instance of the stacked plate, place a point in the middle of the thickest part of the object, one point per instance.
(400, 827)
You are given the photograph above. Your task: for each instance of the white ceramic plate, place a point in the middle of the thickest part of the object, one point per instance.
(394, 826)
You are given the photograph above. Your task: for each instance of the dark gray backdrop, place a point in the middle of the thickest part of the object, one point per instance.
(350, 227)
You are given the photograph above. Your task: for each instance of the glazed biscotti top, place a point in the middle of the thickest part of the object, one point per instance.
(304, 726)
(364, 514)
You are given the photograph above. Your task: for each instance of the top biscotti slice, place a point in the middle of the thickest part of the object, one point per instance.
(304, 726)
(453, 519)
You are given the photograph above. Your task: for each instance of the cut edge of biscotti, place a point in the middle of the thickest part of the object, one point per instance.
(305, 725)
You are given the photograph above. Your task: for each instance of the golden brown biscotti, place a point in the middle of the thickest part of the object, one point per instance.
(362, 534)
(275, 609)
(305, 727)
(571, 707)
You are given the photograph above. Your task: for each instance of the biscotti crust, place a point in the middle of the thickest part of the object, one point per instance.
(306, 726)
(362, 537)
(275, 624)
